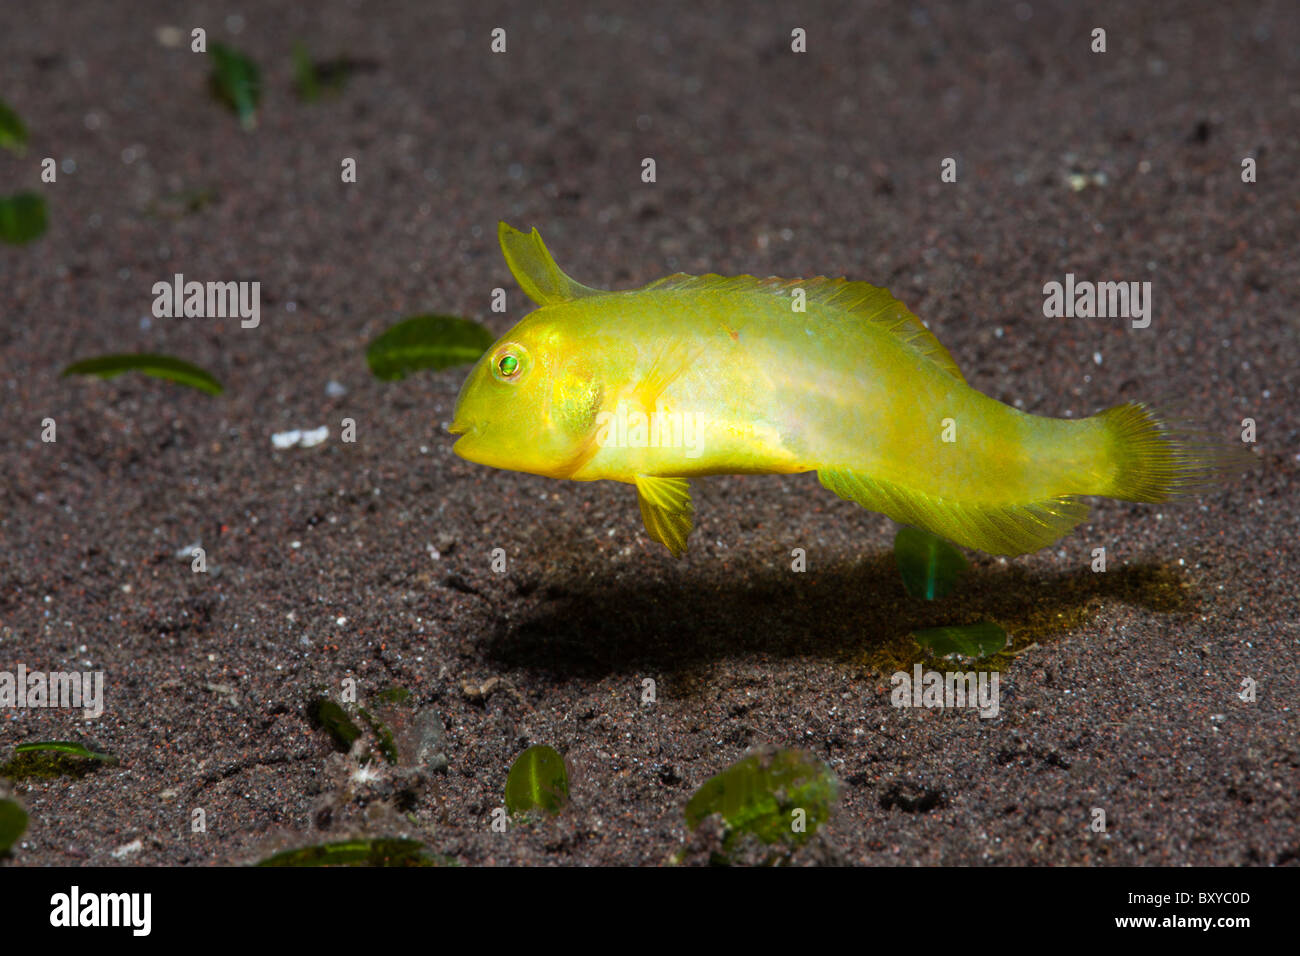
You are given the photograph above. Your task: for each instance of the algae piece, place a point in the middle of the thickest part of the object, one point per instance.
(236, 81)
(929, 565)
(365, 852)
(763, 795)
(158, 366)
(975, 641)
(22, 217)
(336, 722)
(426, 342)
(538, 780)
(13, 824)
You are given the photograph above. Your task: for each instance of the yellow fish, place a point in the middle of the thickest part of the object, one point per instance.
(705, 375)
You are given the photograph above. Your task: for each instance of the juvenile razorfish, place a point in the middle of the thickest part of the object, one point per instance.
(703, 375)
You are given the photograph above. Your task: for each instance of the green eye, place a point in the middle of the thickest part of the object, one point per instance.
(510, 363)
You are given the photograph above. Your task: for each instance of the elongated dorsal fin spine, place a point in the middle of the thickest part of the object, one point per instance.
(533, 268)
(872, 303)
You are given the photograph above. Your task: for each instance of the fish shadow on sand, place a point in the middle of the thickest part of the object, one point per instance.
(857, 613)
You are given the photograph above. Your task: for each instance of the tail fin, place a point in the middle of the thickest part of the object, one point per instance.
(1157, 458)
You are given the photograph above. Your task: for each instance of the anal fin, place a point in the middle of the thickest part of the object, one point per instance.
(666, 510)
(992, 527)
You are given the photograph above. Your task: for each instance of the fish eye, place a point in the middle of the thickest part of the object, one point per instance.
(510, 363)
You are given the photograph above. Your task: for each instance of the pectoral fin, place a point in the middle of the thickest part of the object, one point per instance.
(674, 358)
(666, 510)
(533, 268)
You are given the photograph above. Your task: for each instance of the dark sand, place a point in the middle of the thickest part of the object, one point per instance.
(768, 163)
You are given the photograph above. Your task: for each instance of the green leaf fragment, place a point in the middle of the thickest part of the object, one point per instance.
(763, 793)
(13, 824)
(157, 366)
(304, 74)
(394, 695)
(70, 747)
(376, 852)
(929, 565)
(22, 217)
(236, 82)
(13, 134)
(50, 759)
(336, 722)
(969, 640)
(537, 781)
(426, 342)
(316, 78)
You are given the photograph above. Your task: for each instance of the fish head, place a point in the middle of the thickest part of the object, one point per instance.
(530, 402)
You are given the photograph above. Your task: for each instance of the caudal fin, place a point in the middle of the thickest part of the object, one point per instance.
(1159, 458)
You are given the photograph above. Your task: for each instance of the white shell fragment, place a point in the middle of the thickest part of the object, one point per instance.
(308, 438)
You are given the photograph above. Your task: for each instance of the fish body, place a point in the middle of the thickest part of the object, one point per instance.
(701, 375)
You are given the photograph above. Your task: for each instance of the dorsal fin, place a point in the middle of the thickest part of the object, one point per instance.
(533, 268)
(872, 303)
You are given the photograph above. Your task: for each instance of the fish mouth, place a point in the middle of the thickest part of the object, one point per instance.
(466, 433)
(459, 426)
